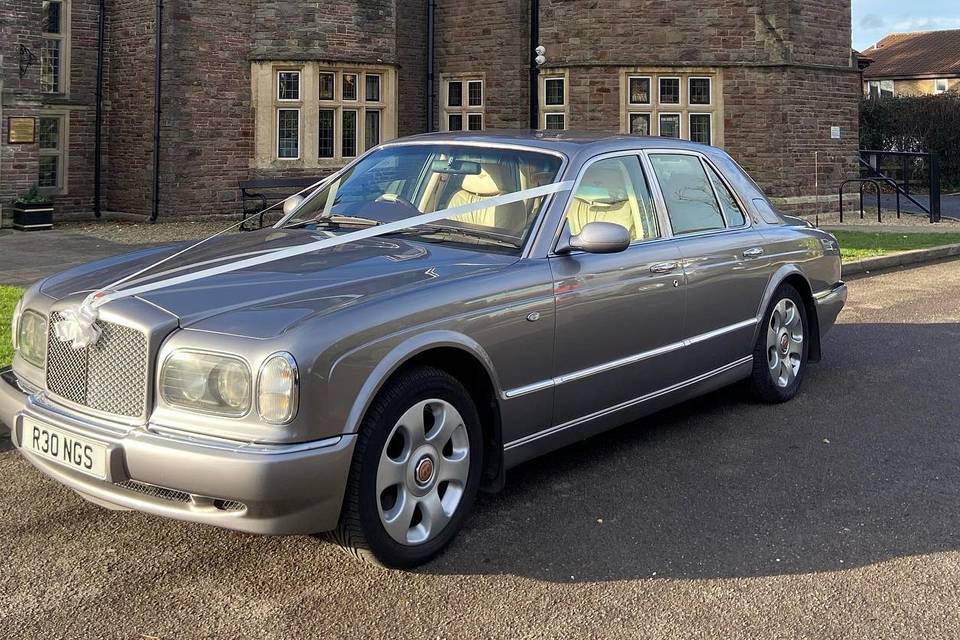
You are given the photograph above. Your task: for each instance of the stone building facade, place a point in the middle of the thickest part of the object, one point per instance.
(258, 88)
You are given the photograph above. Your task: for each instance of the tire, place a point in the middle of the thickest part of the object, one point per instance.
(389, 472)
(779, 357)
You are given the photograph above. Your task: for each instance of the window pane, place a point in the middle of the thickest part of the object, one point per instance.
(372, 88)
(327, 81)
(51, 17)
(455, 93)
(640, 124)
(48, 171)
(288, 133)
(886, 88)
(288, 85)
(326, 133)
(49, 133)
(691, 204)
(349, 137)
(554, 121)
(670, 125)
(615, 190)
(455, 122)
(349, 86)
(669, 90)
(700, 128)
(475, 122)
(728, 203)
(475, 91)
(639, 90)
(50, 66)
(371, 129)
(553, 94)
(700, 90)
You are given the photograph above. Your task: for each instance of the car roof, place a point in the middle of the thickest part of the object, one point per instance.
(570, 143)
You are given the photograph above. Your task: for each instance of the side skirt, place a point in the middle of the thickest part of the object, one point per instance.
(537, 444)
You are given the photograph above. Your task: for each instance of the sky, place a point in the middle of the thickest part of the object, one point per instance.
(873, 19)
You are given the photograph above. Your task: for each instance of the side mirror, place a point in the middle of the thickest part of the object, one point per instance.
(595, 237)
(291, 204)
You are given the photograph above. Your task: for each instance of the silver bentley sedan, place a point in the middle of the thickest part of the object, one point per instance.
(440, 310)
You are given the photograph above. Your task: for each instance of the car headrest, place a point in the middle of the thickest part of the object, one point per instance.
(489, 182)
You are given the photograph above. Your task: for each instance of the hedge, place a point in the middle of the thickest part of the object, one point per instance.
(916, 123)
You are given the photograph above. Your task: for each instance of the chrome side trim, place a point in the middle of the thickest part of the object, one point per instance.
(233, 446)
(625, 405)
(628, 360)
(826, 293)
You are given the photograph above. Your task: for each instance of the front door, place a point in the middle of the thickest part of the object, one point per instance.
(619, 317)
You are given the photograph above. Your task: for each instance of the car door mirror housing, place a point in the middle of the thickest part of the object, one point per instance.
(595, 237)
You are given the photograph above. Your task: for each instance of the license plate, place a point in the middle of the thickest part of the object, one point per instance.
(82, 454)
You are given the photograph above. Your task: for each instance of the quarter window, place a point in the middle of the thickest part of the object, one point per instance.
(688, 193)
(463, 107)
(615, 190)
(728, 204)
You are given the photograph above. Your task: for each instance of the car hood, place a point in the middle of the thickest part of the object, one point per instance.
(267, 299)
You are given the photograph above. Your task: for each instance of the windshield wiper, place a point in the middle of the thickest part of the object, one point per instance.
(490, 236)
(336, 219)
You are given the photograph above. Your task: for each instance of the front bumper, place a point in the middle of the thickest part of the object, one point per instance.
(829, 304)
(266, 489)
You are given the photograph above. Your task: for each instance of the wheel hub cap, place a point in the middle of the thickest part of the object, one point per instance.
(784, 343)
(424, 471)
(785, 337)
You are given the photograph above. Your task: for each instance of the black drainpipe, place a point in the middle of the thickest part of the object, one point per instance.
(156, 113)
(99, 116)
(431, 13)
(534, 71)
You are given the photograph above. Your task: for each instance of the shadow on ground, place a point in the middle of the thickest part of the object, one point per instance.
(862, 467)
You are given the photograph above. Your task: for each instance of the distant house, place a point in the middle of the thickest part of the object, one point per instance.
(911, 64)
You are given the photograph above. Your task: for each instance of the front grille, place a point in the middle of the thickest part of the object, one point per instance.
(154, 491)
(109, 375)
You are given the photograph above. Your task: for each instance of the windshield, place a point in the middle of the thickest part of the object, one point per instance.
(403, 181)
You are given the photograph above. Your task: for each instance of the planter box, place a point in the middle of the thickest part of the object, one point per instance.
(32, 216)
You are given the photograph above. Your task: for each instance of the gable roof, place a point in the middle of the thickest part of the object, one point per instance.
(918, 54)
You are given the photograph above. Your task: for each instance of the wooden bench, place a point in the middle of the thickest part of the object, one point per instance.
(254, 199)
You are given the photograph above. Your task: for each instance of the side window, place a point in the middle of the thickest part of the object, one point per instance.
(691, 204)
(728, 203)
(615, 190)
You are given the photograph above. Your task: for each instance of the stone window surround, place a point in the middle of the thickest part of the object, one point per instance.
(554, 109)
(465, 109)
(62, 151)
(64, 38)
(264, 85)
(684, 108)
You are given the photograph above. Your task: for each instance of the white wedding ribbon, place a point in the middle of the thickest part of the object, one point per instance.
(79, 325)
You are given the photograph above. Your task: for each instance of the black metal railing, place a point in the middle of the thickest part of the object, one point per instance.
(872, 161)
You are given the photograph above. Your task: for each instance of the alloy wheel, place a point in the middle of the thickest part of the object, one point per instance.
(785, 343)
(423, 471)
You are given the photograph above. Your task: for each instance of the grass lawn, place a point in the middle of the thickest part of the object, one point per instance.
(855, 245)
(8, 298)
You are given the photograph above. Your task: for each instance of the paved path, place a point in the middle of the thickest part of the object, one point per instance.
(949, 205)
(25, 257)
(834, 516)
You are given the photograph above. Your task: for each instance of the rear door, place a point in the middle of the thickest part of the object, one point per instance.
(723, 259)
(619, 317)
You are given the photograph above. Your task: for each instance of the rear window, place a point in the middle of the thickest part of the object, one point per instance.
(691, 203)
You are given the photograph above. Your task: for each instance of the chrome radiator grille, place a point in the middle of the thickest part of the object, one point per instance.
(108, 376)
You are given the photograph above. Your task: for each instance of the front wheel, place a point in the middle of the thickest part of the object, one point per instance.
(415, 471)
(780, 354)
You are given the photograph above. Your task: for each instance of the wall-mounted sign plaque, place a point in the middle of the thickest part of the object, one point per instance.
(21, 130)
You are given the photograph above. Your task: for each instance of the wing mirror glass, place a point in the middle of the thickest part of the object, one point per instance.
(595, 237)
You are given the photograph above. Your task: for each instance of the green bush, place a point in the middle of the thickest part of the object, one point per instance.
(916, 123)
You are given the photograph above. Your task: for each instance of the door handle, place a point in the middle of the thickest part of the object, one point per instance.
(753, 252)
(663, 267)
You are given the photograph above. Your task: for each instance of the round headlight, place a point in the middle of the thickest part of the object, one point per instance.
(277, 389)
(32, 338)
(233, 384)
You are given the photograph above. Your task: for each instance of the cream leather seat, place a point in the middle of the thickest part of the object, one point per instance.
(493, 180)
(602, 197)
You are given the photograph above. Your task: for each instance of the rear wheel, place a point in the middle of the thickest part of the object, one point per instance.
(780, 354)
(415, 471)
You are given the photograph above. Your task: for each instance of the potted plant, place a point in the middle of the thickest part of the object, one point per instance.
(32, 211)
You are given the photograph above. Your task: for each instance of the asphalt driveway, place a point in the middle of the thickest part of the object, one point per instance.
(836, 515)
